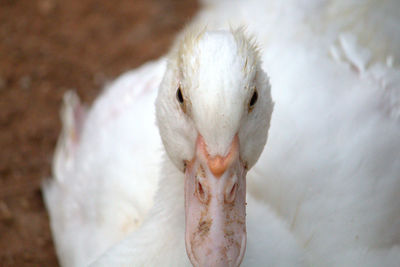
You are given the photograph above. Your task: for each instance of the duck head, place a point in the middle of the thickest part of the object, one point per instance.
(213, 110)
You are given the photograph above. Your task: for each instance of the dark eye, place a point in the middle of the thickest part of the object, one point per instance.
(179, 95)
(253, 99)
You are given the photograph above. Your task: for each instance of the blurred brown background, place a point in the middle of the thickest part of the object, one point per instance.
(46, 48)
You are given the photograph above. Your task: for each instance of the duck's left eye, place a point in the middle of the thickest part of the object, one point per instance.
(253, 99)
(179, 95)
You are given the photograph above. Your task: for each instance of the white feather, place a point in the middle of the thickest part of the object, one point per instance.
(325, 191)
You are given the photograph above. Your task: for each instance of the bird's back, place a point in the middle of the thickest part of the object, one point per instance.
(105, 166)
(331, 166)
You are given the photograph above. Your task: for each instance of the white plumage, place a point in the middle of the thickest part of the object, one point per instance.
(325, 191)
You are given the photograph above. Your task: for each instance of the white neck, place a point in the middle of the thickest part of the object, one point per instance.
(162, 232)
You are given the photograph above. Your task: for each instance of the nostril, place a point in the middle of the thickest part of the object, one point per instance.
(230, 196)
(201, 194)
(200, 188)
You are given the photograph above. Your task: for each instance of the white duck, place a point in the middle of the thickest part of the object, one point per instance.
(327, 185)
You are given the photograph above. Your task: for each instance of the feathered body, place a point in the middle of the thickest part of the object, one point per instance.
(325, 191)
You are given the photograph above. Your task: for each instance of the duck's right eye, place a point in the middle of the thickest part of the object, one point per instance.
(253, 99)
(179, 95)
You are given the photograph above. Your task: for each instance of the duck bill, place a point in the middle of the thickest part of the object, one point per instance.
(215, 207)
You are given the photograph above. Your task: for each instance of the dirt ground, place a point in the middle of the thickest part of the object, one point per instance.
(46, 48)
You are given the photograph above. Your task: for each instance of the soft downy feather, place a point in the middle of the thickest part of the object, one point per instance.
(94, 200)
(326, 186)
